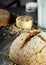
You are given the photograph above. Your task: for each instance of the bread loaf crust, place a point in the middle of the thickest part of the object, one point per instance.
(4, 17)
(31, 52)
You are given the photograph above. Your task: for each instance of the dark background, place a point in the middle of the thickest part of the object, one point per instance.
(12, 3)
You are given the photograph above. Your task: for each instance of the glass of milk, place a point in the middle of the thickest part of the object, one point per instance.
(42, 14)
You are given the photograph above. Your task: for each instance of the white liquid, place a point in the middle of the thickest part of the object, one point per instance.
(42, 13)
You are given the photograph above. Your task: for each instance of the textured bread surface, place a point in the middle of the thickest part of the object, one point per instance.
(4, 17)
(24, 22)
(29, 48)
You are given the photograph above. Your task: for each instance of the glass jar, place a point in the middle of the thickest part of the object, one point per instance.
(42, 14)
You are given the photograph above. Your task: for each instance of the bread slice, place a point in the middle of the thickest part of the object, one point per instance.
(24, 22)
(4, 17)
(29, 49)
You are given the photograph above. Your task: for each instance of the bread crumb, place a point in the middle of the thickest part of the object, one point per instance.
(12, 63)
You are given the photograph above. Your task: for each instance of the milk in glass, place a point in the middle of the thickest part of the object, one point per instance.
(42, 13)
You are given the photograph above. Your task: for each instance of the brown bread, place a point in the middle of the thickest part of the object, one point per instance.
(4, 17)
(29, 48)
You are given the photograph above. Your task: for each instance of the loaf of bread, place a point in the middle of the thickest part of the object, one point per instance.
(29, 48)
(4, 17)
(24, 22)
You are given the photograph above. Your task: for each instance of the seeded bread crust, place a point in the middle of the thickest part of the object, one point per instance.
(29, 48)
